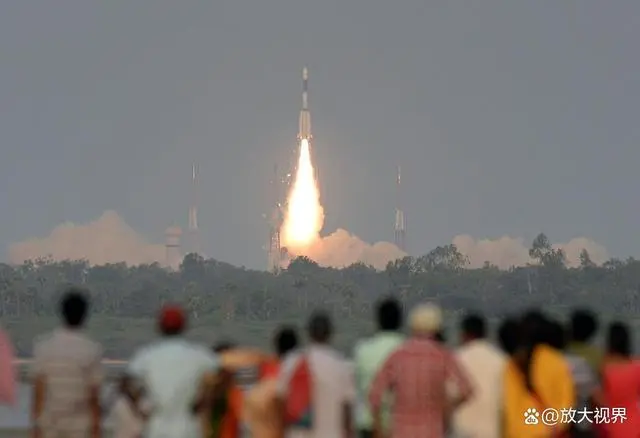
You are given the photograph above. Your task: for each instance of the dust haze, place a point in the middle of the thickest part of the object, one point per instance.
(109, 239)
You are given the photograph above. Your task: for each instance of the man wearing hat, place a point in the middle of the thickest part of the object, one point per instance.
(171, 373)
(417, 374)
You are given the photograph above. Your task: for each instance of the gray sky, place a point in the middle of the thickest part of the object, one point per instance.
(507, 117)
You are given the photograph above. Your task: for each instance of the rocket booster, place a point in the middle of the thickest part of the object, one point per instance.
(304, 124)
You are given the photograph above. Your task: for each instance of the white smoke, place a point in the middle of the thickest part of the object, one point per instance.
(341, 249)
(506, 251)
(107, 239)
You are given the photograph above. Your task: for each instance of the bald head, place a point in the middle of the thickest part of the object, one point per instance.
(425, 319)
(320, 328)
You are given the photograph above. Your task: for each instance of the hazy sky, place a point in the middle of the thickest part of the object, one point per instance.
(507, 117)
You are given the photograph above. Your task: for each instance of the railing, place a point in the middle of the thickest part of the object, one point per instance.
(112, 369)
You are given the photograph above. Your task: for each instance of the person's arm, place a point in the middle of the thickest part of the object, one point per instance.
(382, 383)
(37, 404)
(282, 390)
(39, 388)
(456, 374)
(95, 384)
(349, 399)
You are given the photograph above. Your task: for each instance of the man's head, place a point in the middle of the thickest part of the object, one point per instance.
(74, 308)
(473, 327)
(172, 320)
(583, 325)
(320, 328)
(389, 315)
(425, 320)
(286, 340)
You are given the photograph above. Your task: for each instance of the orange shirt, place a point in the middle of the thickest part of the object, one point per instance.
(230, 427)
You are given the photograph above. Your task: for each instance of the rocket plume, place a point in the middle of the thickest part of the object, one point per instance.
(304, 215)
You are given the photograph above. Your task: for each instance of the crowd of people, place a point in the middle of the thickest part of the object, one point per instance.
(541, 379)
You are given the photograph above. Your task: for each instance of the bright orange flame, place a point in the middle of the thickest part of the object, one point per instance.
(305, 216)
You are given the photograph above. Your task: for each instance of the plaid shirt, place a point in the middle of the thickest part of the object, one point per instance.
(417, 374)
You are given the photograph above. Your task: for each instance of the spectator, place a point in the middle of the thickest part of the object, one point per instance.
(620, 384)
(174, 374)
(260, 404)
(369, 356)
(417, 374)
(584, 326)
(67, 376)
(583, 379)
(329, 384)
(7, 371)
(541, 380)
(481, 417)
(127, 421)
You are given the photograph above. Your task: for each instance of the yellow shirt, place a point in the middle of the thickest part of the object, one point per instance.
(554, 385)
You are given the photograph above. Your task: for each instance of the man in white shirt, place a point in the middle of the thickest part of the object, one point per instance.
(481, 416)
(171, 373)
(333, 389)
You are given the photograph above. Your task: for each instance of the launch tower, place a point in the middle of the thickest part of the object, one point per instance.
(400, 225)
(192, 229)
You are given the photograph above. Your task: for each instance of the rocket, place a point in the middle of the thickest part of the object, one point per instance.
(304, 124)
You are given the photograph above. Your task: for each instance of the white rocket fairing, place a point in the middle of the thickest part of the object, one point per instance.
(304, 125)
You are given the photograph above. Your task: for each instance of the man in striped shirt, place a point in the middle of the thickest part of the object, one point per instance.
(417, 374)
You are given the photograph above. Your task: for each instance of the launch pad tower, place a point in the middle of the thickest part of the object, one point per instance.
(400, 225)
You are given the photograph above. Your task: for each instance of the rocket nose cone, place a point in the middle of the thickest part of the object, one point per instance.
(305, 74)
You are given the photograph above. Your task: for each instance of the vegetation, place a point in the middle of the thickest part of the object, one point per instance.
(246, 305)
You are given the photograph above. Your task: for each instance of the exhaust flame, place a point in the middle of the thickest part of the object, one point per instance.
(304, 216)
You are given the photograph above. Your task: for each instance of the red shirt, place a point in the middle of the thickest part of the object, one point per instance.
(417, 373)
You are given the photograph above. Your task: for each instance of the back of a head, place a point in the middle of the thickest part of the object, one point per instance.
(534, 328)
(508, 336)
(389, 315)
(320, 327)
(556, 335)
(426, 319)
(619, 339)
(584, 325)
(286, 340)
(223, 346)
(474, 326)
(74, 307)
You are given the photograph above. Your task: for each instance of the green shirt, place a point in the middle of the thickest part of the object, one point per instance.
(369, 356)
(588, 352)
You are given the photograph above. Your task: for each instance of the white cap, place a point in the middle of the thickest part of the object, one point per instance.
(426, 318)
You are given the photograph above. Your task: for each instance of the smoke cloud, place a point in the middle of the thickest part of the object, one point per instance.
(107, 239)
(341, 249)
(506, 251)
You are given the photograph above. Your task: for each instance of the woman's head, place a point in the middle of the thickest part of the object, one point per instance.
(619, 339)
(508, 336)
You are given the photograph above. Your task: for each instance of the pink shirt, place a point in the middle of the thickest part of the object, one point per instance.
(7, 371)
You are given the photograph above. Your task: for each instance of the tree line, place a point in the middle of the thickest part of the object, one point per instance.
(218, 290)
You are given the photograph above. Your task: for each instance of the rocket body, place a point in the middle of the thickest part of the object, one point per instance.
(304, 124)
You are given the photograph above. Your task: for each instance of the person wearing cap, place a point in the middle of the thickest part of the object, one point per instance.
(172, 372)
(417, 374)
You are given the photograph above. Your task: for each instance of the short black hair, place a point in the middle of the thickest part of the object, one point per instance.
(508, 335)
(389, 314)
(74, 307)
(286, 339)
(584, 325)
(474, 325)
(619, 339)
(320, 327)
(556, 335)
(223, 346)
